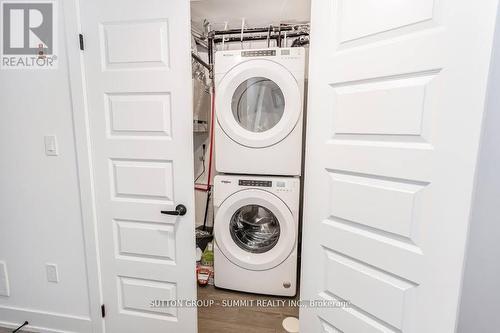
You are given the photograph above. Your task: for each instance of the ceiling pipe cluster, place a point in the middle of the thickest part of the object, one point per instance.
(278, 33)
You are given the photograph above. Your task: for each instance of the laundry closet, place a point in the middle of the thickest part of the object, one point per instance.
(253, 69)
(270, 163)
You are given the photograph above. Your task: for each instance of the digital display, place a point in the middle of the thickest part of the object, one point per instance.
(258, 183)
(258, 53)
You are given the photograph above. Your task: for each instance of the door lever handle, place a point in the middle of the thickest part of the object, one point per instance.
(179, 210)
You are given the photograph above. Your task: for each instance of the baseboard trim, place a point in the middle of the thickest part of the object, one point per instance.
(44, 321)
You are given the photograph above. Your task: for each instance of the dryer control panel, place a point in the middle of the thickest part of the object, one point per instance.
(257, 183)
(258, 53)
(292, 58)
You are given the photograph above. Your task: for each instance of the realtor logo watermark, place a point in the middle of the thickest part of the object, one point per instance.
(29, 35)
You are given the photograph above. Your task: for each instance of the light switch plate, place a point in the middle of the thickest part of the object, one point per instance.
(4, 280)
(51, 145)
(52, 274)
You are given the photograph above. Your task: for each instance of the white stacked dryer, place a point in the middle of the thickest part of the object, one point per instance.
(259, 104)
(258, 143)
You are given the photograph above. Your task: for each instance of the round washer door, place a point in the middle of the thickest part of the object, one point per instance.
(254, 229)
(258, 103)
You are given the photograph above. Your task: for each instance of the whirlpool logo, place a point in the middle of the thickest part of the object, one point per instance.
(29, 35)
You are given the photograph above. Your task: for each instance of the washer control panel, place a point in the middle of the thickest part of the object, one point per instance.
(257, 183)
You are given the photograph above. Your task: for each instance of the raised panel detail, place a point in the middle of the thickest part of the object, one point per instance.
(144, 240)
(369, 289)
(143, 179)
(133, 44)
(140, 114)
(384, 106)
(329, 328)
(376, 202)
(362, 18)
(136, 297)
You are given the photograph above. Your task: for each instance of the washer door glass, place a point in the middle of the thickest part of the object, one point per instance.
(254, 228)
(258, 104)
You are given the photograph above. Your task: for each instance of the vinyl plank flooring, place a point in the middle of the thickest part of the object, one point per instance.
(216, 326)
(242, 319)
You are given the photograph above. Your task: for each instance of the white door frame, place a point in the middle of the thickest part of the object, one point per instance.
(71, 14)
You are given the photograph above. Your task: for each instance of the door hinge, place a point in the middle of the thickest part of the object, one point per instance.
(80, 37)
(103, 311)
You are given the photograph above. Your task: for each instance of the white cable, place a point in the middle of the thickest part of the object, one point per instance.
(223, 37)
(242, 28)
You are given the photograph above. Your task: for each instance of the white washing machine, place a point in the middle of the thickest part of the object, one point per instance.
(259, 104)
(256, 233)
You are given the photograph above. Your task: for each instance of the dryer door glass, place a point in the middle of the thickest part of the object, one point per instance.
(258, 104)
(254, 228)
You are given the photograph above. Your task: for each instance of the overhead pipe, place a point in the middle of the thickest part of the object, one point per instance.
(210, 42)
(257, 30)
(273, 32)
(217, 40)
(279, 37)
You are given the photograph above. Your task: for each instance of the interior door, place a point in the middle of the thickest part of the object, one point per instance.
(138, 72)
(396, 97)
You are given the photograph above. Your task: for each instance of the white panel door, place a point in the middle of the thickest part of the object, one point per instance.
(396, 97)
(138, 72)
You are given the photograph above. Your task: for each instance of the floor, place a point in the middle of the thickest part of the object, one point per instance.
(247, 319)
(243, 319)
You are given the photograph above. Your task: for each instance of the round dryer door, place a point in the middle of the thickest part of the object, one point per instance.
(258, 103)
(255, 230)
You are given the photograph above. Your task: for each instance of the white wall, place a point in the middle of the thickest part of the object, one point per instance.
(40, 211)
(480, 304)
(200, 139)
(255, 12)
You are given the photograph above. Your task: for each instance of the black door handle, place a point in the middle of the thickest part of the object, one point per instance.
(179, 210)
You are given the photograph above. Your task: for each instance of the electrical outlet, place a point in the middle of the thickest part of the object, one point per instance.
(52, 274)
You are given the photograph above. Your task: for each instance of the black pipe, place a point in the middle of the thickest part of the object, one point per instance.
(209, 193)
(198, 59)
(210, 41)
(279, 37)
